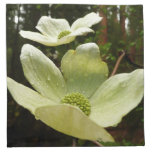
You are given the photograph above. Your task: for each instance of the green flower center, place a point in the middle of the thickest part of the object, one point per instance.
(77, 99)
(63, 33)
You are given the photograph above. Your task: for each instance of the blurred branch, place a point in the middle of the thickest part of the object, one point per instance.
(117, 63)
(74, 142)
(97, 143)
(127, 57)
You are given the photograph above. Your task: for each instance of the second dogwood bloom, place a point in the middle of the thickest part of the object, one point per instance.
(56, 32)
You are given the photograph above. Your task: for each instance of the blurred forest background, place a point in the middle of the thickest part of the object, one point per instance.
(121, 29)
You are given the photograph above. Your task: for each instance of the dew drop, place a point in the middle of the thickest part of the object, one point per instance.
(31, 54)
(83, 92)
(48, 78)
(23, 57)
(37, 118)
(123, 84)
(32, 82)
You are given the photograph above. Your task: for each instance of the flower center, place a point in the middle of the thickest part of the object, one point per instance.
(77, 99)
(63, 33)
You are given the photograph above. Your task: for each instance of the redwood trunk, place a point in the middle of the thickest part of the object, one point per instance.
(103, 35)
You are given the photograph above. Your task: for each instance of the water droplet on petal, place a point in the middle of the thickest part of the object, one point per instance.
(37, 118)
(32, 82)
(23, 57)
(48, 78)
(123, 84)
(83, 92)
(31, 54)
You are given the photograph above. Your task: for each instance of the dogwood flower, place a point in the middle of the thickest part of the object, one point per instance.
(55, 32)
(79, 101)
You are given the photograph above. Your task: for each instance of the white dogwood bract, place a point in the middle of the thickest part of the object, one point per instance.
(56, 32)
(110, 98)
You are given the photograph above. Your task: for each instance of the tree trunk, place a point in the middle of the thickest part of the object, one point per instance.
(114, 14)
(122, 21)
(15, 48)
(133, 48)
(103, 35)
(132, 34)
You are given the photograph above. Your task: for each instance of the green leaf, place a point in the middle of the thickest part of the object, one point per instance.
(42, 73)
(83, 69)
(72, 121)
(116, 97)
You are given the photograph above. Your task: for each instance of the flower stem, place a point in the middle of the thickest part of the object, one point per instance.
(74, 142)
(117, 63)
(97, 143)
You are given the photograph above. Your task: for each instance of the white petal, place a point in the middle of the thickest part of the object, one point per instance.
(83, 69)
(72, 121)
(37, 37)
(52, 27)
(65, 40)
(27, 97)
(86, 21)
(42, 73)
(81, 31)
(69, 38)
(116, 97)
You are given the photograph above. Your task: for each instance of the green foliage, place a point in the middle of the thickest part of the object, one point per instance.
(123, 143)
(9, 59)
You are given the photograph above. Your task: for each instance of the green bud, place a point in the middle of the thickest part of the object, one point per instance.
(63, 33)
(77, 99)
